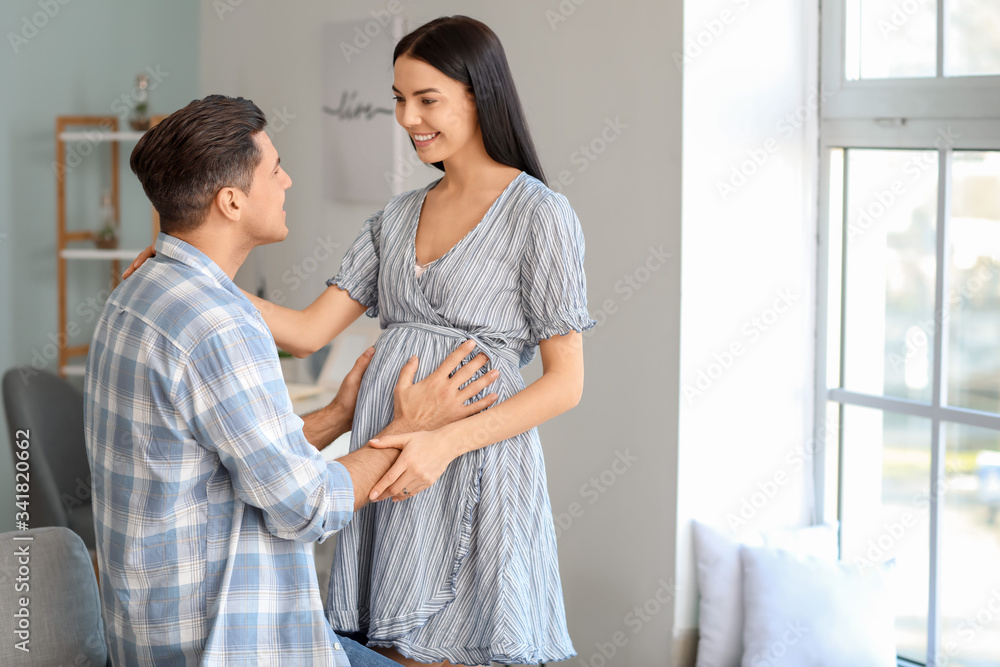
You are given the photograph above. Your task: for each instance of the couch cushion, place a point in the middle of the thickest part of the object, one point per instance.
(63, 603)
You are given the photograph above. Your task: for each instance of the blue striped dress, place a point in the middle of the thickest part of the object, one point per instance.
(467, 570)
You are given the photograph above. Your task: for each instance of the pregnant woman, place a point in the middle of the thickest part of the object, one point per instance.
(461, 566)
(465, 570)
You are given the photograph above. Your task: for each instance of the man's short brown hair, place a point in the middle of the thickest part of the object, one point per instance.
(193, 153)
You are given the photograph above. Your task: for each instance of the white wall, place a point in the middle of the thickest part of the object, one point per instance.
(605, 62)
(749, 81)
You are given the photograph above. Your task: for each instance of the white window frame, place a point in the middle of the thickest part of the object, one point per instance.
(943, 114)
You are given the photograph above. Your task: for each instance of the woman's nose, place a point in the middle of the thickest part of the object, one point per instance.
(410, 116)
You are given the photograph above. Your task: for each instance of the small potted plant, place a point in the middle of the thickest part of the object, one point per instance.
(106, 237)
(140, 112)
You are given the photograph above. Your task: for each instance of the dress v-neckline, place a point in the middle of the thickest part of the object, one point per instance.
(468, 234)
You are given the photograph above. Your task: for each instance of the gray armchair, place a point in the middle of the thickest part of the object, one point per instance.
(51, 410)
(62, 622)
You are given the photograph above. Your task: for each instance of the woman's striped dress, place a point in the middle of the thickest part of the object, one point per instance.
(467, 570)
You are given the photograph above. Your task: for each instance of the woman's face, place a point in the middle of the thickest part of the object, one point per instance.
(438, 112)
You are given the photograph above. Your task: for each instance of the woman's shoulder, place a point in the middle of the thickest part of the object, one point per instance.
(536, 198)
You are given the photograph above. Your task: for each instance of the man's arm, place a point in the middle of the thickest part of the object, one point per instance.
(230, 393)
(329, 423)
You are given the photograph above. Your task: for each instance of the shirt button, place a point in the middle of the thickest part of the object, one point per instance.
(336, 646)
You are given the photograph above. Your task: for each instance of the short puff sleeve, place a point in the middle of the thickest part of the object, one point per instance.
(553, 283)
(359, 269)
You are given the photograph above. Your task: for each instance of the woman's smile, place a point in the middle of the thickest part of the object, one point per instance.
(421, 140)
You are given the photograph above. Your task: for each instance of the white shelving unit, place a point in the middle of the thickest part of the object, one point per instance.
(99, 253)
(97, 136)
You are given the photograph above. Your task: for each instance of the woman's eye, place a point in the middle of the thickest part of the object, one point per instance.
(428, 101)
(397, 98)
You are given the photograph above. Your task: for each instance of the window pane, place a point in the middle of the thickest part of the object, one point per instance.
(885, 510)
(973, 38)
(891, 214)
(974, 298)
(970, 578)
(891, 39)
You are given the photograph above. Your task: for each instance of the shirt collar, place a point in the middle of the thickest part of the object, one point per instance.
(187, 254)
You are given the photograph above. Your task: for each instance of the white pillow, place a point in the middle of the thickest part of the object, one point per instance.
(720, 583)
(801, 610)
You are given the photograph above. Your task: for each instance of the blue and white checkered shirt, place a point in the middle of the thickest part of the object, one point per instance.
(206, 493)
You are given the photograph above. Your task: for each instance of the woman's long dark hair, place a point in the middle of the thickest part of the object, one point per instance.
(467, 51)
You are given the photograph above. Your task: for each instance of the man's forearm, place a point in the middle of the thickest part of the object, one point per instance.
(325, 425)
(367, 465)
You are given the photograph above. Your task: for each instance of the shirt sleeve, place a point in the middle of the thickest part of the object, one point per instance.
(359, 269)
(236, 404)
(553, 283)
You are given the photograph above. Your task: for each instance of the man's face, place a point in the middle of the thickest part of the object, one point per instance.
(265, 215)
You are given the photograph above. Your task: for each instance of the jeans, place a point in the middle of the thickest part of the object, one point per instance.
(362, 656)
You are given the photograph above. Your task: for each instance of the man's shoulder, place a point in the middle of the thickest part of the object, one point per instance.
(181, 304)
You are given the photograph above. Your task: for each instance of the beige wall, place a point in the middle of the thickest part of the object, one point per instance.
(606, 62)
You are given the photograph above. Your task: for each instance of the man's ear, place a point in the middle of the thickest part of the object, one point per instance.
(229, 202)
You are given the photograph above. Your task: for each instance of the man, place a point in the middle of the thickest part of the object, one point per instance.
(207, 491)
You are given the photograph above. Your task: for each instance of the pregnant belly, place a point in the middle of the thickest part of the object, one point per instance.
(431, 345)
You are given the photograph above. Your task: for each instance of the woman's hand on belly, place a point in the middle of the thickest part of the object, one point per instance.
(438, 399)
(423, 459)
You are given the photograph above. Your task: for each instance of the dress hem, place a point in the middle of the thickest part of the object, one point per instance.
(472, 657)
